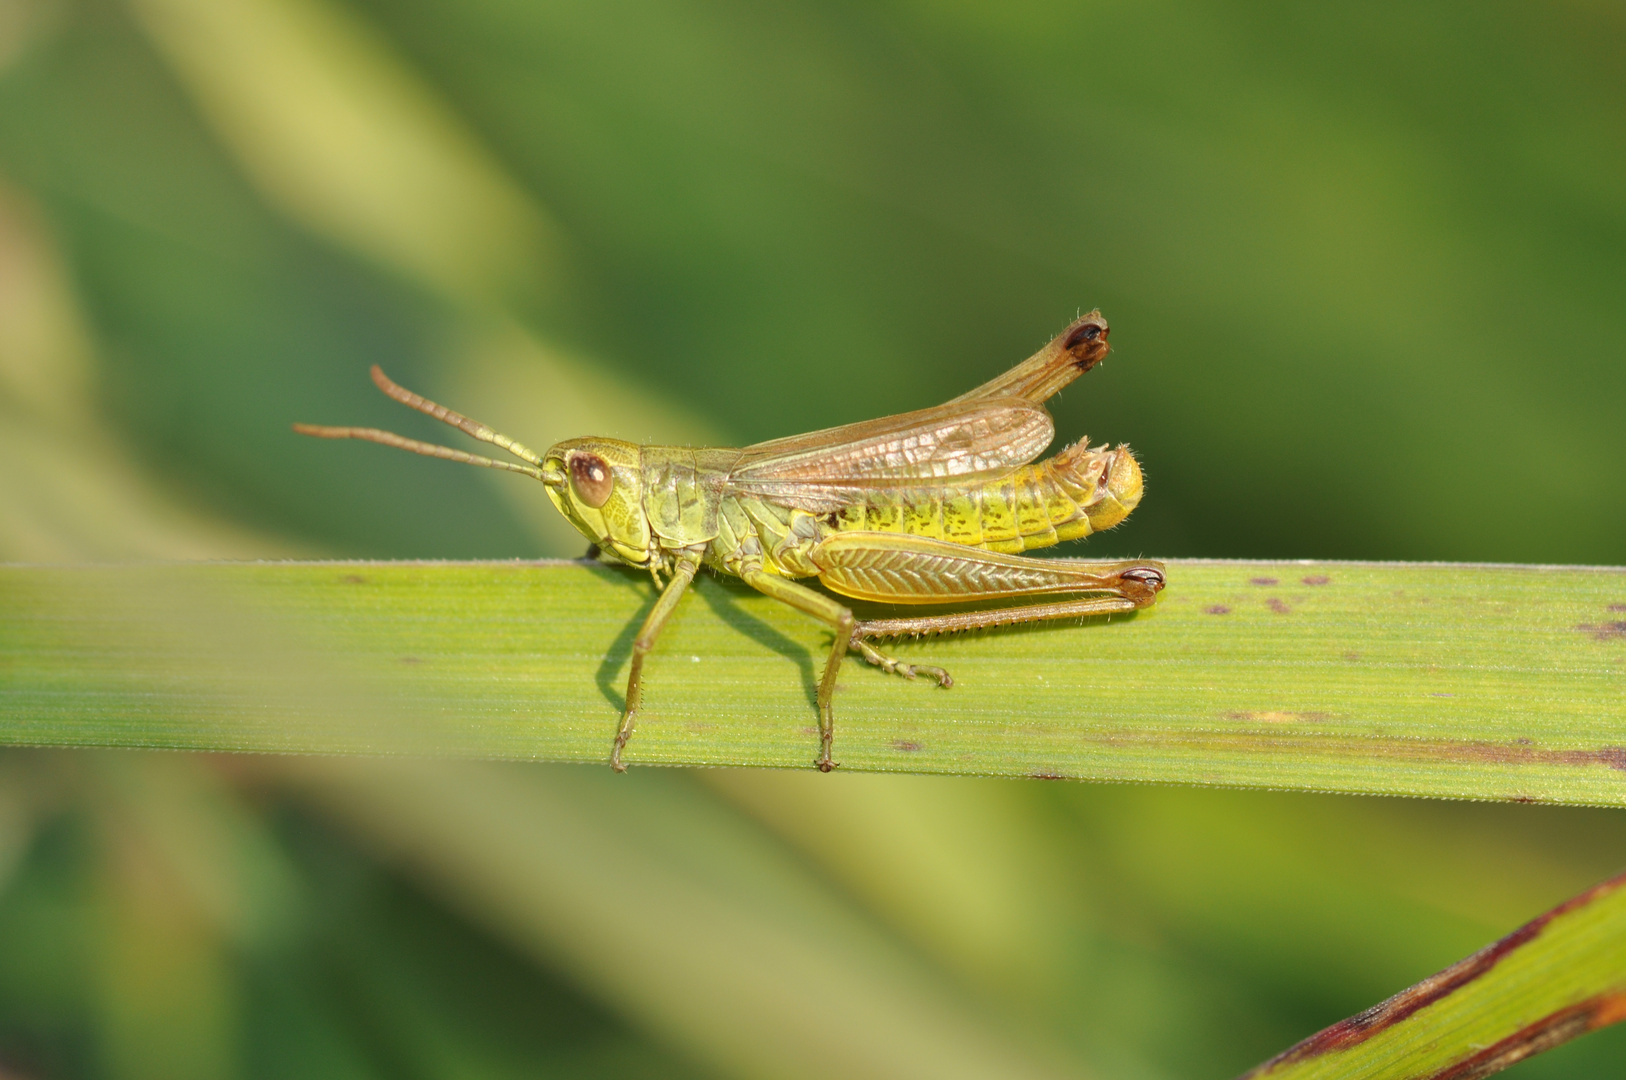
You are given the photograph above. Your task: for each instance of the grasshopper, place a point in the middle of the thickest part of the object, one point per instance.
(927, 507)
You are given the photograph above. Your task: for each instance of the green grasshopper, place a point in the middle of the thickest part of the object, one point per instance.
(927, 507)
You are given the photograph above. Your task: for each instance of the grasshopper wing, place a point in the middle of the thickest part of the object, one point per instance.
(825, 470)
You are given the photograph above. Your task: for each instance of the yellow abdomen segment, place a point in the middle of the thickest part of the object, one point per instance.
(1075, 493)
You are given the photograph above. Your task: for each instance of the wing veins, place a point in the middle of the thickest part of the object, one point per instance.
(947, 441)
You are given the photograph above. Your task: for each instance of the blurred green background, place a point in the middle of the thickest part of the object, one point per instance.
(1366, 272)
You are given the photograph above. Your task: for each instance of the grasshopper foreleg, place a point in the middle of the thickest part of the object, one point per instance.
(682, 573)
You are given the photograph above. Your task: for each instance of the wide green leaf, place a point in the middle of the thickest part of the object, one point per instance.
(1500, 682)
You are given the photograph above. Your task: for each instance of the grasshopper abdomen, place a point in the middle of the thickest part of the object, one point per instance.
(1078, 492)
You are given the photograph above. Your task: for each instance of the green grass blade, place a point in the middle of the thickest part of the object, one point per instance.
(1502, 682)
(1559, 976)
(685, 917)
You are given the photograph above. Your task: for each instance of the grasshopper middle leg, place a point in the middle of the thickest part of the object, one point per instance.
(839, 618)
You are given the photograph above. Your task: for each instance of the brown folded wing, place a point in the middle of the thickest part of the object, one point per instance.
(962, 440)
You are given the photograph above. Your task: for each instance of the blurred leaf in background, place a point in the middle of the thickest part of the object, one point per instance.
(1366, 269)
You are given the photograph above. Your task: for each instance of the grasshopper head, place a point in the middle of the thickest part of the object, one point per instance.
(596, 485)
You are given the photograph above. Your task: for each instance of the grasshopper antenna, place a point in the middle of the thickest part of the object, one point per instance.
(471, 427)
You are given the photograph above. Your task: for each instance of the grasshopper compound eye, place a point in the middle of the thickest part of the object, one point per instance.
(592, 479)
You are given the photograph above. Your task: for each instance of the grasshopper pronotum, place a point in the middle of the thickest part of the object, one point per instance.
(927, 507)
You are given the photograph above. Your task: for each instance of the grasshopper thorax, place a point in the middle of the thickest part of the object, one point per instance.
(597, 485)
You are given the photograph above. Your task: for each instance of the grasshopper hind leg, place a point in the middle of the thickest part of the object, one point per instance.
(905, 569)
(898, 568)
(894, 667)
(1136, 588)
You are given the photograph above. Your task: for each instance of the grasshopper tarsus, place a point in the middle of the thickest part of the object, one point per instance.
(827, 733)
(895, 667)
(927, 507)
(622, 736)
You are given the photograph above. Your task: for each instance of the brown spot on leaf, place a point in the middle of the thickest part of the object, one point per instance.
(1218, 609)
(411, 661)
(1560, 1026)
(352, 579)
(1616, 607)
(1278, 605)
(1276, 716)
(1316, 579)
(1609, 631)
(1262, 581)
(1287, 743)
(1524, 752)
(1352, 657)
(905, 745)
(1612, 756)
(1045, 776)
(1440, 693)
